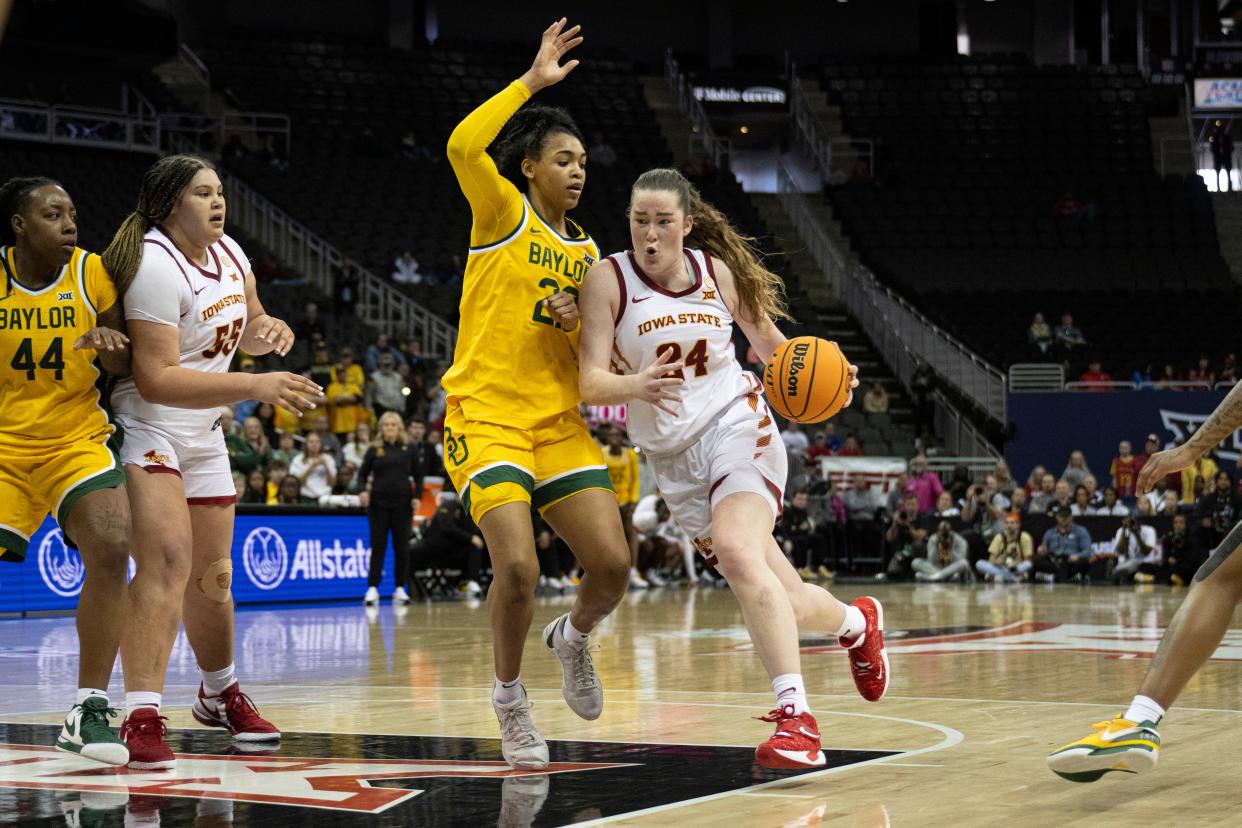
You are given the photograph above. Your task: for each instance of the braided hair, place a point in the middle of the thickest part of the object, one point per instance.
(760, 291)
(15, 197)
(524, 136)
(162, 186)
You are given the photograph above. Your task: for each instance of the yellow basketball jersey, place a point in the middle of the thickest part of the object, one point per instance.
(50, 393)
(623, 472)
(512, 365)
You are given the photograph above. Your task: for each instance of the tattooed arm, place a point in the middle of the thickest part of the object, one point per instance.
(1225, 420)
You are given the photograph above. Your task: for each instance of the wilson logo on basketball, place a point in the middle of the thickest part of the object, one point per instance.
(796, 364)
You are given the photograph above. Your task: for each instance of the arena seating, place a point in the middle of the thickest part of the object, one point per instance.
(973, 156)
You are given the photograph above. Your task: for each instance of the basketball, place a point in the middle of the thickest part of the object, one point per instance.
(807, 379)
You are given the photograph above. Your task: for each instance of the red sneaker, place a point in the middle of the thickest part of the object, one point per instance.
(868, 658)
(234, 711)
(795, 744)
(143, 733)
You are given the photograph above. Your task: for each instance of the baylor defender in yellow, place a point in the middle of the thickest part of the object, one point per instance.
(59, 329)
(513, 436)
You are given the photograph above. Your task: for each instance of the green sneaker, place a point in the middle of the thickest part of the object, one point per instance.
(86, 733)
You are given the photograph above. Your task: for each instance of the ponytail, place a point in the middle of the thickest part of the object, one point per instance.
(760, 292)
(162, 186)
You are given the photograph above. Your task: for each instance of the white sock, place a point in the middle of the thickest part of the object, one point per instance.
(572, 636)
(1144, 709)
(790, 690)
(85, 693)
(854, 625)
(141, 698)
(505, 692)
(216, 683)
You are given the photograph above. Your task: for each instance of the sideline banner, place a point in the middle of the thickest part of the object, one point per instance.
(1044, 427)
(1218, 93)
(880, 472)
(298, 555)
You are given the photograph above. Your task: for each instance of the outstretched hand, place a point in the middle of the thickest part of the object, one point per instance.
(547, 69)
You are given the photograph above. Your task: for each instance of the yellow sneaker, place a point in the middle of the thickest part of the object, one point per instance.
(1119, 745)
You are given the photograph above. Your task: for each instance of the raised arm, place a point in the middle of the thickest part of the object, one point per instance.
(1225, 420)
(494, 200)
(596, 382)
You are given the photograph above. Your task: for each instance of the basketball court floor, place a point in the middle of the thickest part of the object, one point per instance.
(387, 721)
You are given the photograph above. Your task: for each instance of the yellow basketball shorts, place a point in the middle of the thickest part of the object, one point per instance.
(492, 464)
(33, 486)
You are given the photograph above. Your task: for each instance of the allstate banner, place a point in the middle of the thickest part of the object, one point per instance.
(1218, 93)
(276, 557)
(1044, 427)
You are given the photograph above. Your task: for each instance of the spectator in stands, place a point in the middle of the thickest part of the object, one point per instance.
(228, 421)
(256, 488)
(601, 152)
(905, 540)
(266, 412)
(405, 269)
(1010, 554)
(252, 433)
(1062, 496)
(286, 450)
(1124, 470)
(1194, 477)
(411, 150)
(946, 507)
(1143, 508)
(345, 281)
(1042, 500)
(818, 448)
(946, 556)
(923, 484)
(1168, 376)
(892, 500)
(1005, 484)
(832, 440)
(1202, 372)
(239, 484)
(922, 384)
(981, 508)
(1151, 445)
(862, 531)
(1071, 208)
(245, 408)
(1095, 496)
(1075, 469)
(1039, 335)
(958, 483)
(1183, 555)
(1156, 496)
(456, 272)
(1222, 154)
(351, 371)
(346, 482)
(1111, 505)
(1035, 480)
(795, 531)
(382, 345)
(875, 401)
(426, 462)
(277, 471)
(291, 493)
(1228, 369)
(1168, 505)
(242, 457)
(1223, 504)
(386, 391)
(356, 447)
(314, 468)
(321, 366)
(851, 447)
(451, 540)
(1065, 551)
(1142, 375)
(1018, 503)
(1082, 502)
(1132, 547)
(273, 154)
(344, 405)
(311, 327)
(1067, 336)
(795, 440)
(1095, 377)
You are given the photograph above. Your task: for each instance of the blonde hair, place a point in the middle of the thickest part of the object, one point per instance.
(162, 186)
(403, 436)
(760, 291)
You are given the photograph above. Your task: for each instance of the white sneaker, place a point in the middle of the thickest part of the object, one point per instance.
(637, 581)
(400, 596)
(473, 588)
(544, 581)
(654, 578)
(579, 682)
(520, 742)
(372, 596)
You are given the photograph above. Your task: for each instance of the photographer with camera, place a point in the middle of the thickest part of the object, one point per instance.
(1133, 546)
(905, 540)
(1183, 554)
(1065, 551)
(946, 556)
(1010, 555)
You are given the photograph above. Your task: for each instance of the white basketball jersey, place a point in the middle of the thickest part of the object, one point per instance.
(698, 328)
(208, 307)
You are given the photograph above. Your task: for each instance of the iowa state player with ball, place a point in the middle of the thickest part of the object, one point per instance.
(663, 313)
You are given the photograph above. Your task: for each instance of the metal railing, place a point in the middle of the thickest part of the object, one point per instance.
(1041, 376)
(903, 336)
(822, 149)
(379, 303)
(79, 126)
(683, 94)
(198, 132)
(977, 465)
(1036, 376)
(957, 431)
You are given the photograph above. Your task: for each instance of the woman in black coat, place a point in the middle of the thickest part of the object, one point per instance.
(387, 482)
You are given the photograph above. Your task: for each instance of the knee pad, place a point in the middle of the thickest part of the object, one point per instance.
(216, 582)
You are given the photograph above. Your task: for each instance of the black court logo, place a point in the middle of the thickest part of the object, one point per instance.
(455, 447)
